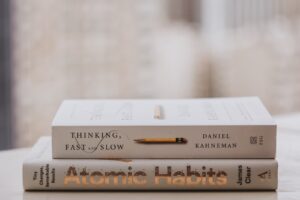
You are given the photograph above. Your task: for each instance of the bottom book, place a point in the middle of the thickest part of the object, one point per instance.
(41, 172)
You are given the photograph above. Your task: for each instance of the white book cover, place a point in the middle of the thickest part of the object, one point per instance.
(42, 172)
(183, 128)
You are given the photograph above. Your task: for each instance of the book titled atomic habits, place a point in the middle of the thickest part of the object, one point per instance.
(185, 128)
(42, 172)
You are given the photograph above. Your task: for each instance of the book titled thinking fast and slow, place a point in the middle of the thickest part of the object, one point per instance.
(186, 144)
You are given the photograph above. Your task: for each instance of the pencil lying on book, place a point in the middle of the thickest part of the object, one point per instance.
(162, 140)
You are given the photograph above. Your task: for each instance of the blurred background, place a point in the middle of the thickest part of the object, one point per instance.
(52, 50)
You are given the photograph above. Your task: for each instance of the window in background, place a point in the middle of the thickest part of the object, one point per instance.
(66, 49)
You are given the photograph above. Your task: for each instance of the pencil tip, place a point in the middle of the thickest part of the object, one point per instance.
(184, 140)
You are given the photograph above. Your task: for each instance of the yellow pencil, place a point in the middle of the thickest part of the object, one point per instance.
(162, 140)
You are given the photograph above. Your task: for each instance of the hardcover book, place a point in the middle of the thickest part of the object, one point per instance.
(42, 172)
(185, 128)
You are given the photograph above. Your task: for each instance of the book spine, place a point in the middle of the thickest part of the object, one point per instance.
(151, 174)
(226, 141)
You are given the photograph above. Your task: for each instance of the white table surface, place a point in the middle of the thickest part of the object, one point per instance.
(288, 155)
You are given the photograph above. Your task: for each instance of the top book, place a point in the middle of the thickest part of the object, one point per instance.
(183, 128)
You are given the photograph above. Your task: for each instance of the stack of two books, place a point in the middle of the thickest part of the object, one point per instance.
(191, 144)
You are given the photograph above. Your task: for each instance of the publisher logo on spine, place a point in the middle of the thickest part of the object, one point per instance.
(257, 140)
(266, 175)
